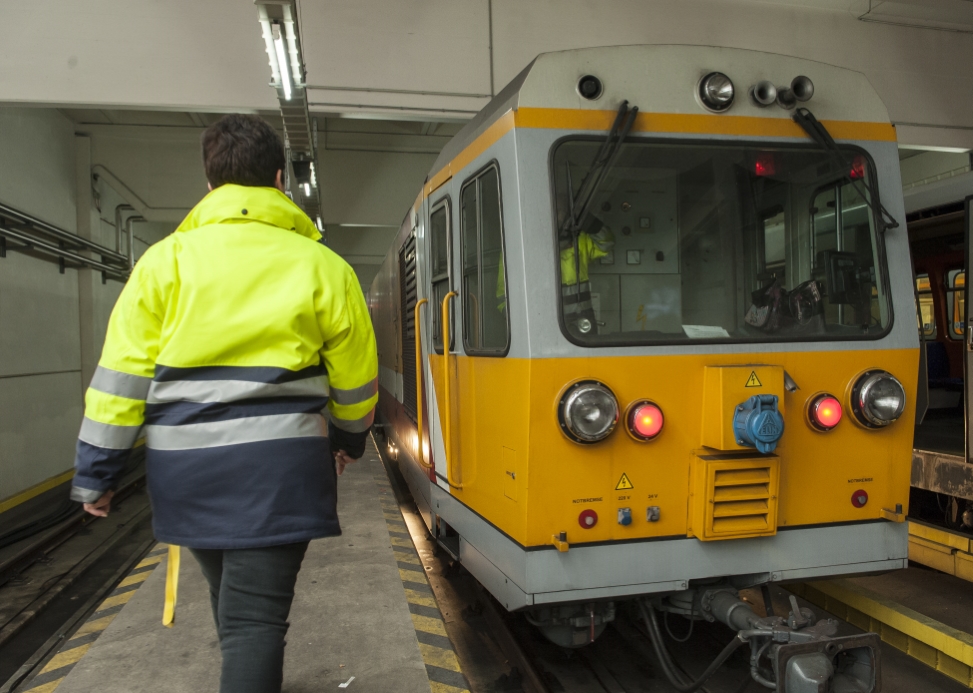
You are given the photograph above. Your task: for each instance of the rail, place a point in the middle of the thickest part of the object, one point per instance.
(448, 429)
(35, 235)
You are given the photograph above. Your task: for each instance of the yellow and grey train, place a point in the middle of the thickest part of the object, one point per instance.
(639, 343)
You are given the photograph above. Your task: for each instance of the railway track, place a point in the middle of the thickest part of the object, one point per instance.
(50, 580)
(500, 651)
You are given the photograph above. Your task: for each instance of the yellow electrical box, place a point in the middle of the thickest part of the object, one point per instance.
(727, 387)
(734, 497)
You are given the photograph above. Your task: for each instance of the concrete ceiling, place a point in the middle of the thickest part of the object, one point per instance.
(391, 82)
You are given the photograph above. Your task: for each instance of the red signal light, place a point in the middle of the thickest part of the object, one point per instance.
(765, 165)
(824, 412)
(857, 168)
(645, 420)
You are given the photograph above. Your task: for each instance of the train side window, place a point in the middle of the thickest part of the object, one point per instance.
(486, 328)
(927, 312)
(956, 302)
(440, 246)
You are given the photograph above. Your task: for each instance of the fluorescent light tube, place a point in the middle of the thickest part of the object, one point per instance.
(285, 75)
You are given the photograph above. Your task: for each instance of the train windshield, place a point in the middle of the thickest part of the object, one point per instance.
(725, 242)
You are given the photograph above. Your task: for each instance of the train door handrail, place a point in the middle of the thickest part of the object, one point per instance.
(448, 428)
(421, 456)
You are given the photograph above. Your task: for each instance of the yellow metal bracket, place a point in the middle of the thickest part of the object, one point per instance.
(561, 542)
(894, 515)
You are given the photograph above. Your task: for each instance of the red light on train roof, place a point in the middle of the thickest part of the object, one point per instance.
(857, 168)
(824, 412)
(645, 420)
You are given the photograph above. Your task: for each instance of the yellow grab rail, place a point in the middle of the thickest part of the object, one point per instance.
(421, 455)
(448, 428)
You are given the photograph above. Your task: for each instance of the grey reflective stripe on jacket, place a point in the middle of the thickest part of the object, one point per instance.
(357, 426)
(234, 390)
(355, 395)
(235, 431)
(576, 298)
(108, 436)
(120, 384)
(85, 495)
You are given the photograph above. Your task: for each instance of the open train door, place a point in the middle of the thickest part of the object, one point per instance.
(968, 329)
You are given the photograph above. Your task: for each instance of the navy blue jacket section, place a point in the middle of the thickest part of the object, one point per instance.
(244, 496)
(182, 412)
(253, 374)
(351, 443)
(98, 468)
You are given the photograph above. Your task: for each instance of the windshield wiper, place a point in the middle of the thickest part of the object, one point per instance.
(603, 162)
(817, 132)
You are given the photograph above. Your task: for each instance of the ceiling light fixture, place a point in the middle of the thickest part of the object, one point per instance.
(282, 59)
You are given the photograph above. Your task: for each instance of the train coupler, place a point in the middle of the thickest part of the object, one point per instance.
(796, 654)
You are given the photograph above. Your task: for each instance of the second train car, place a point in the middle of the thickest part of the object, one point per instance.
(641, 346)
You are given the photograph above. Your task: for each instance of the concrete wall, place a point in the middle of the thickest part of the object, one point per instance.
(444, 58)
(40, 350)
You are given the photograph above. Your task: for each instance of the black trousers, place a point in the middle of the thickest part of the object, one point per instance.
(251, 591)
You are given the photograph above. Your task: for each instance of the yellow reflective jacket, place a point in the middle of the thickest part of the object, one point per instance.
(228, 344)
(590, 247)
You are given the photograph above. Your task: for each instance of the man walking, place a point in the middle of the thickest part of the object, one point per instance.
(228, 342)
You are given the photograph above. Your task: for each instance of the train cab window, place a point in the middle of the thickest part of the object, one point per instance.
(715, 241)
(485, 325)
(956, 302)
(440, 250)
(927, 311)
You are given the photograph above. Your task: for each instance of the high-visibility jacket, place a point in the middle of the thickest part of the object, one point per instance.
(575, 295)
(233, 343)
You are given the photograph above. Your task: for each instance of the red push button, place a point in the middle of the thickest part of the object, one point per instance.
(588, 519)
(859, 498)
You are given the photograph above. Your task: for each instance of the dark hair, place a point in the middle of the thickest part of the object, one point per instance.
(242, 149)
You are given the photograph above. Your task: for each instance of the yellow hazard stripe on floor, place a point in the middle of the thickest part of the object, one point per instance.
(75, 647)
(942, 647)
(442, 666)
(941, 549)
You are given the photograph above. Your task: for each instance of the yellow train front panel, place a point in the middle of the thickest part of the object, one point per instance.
(519, 472)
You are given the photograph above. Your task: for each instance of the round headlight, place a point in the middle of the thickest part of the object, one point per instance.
(587, 412)
(716, 92)
(877, 399)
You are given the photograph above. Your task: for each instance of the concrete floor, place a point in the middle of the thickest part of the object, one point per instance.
(349, 618)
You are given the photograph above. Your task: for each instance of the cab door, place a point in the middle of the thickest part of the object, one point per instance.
(482, 303)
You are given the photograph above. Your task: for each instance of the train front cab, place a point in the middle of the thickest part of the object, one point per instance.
(741, 280)
(942, 479)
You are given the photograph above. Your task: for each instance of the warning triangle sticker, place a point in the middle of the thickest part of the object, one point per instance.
(753, 380)
(624, 484)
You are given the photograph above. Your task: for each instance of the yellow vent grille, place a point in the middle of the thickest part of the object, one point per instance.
(735, 498)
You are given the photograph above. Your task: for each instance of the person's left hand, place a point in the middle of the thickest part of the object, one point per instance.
(101, 506)
(341, 460)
